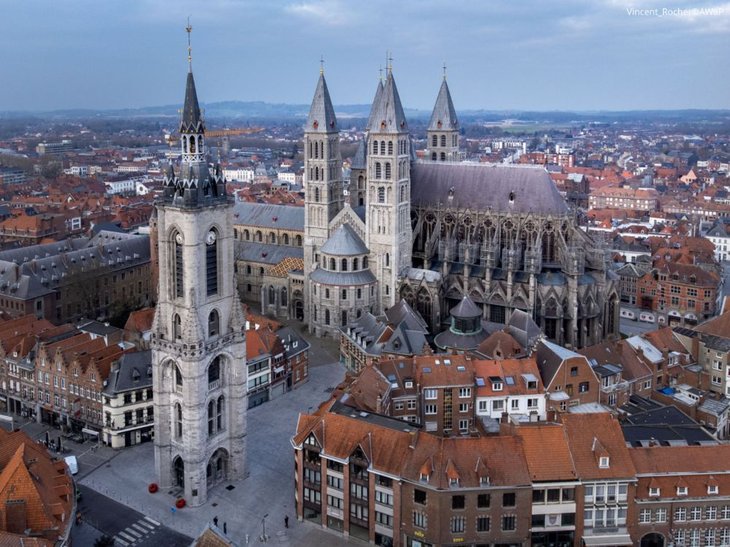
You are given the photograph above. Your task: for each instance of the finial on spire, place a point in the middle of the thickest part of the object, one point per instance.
(321, 64)
(444, 70)
(390, 62)
(189, 29)
(380, 72)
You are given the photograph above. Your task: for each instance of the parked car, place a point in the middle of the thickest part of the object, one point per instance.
(72, 463)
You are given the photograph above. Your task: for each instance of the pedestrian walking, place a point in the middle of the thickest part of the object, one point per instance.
(215, 520)
(286, 521)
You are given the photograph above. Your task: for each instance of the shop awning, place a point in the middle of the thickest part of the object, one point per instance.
(88, 431)
(607, 540)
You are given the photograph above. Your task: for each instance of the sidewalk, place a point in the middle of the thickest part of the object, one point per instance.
(267, 490)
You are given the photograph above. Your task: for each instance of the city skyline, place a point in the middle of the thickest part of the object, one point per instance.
(611, 55)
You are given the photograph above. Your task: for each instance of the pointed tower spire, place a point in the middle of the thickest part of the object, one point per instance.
(376, 100)
(192, 121)
(443, 128)
(322, 117)
(443, 116)
(387, 114)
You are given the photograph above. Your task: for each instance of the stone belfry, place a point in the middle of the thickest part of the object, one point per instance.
(388, 204)
(198, 346)
(324, 195)
(443, 129)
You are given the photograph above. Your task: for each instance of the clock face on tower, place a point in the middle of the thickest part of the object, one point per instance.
(210, 237)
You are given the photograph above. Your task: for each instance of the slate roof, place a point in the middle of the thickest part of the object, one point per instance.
(321, 117)
(486, 186)
(33, 271)
(401, 312)
(266, 253)
(387, 114)
(131, 371)
(373, 107)
(326, 277)
(344, 242)
(359, 160)
(443, 115)
(266, 215)
(465, 309)
(191, 120)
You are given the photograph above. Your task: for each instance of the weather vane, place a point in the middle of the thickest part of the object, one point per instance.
(189, 29)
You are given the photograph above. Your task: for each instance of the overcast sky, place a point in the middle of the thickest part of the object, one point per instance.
(524, 55)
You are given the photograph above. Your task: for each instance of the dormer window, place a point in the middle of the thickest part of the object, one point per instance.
(681, 490)
(603, 462)
(497, 386)
(453, 482)
(409, 384)
(712, 489)
(424, 477)
(654, 492)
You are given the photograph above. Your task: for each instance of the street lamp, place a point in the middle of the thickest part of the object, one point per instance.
(263, 527)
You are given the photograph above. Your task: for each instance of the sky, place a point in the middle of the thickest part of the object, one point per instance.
(542, 55)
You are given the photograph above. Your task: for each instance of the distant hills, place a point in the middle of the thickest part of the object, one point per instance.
(269, 111)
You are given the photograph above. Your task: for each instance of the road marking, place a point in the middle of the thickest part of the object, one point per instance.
(146, 524)
(131, 530)
(120, 541)
(129, 538)
(142, 529)
(148, 519)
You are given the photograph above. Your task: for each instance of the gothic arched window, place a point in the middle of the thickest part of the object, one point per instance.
(316, 195)
(364, 262)
(403, 193)
(272, 237)
(434, 140)
(378, 170)
(213, 323)
(176, 327)
(316, 149)
(381, 194)
(285, 239)
(298, 241)
(246, 235)
(259, 236)
(387, 259)
(326, 317)
(354, 264)
(443, 140)
(387, 170)
(390, 147)
(178, 377)
(434, 157)
(382, 148)
(272, 295)
(211, 418)
(211, 262)
(283, 296)
(177, 265)
(343, 268)
(333, 266)
(375, 147)
(219, 414)
(178, 420)
(192, 145)
(443, 156)
(214, 370)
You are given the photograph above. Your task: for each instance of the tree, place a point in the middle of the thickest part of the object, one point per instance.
(104, 541)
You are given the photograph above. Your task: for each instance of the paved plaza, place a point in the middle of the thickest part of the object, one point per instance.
(268, 489)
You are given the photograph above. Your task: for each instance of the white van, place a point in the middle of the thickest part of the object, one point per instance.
(72, 463)
(628, 314)
(647, 317)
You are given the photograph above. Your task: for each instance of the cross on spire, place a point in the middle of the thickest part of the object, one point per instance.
(321, 64)
(189, 29)
(444, 70)
(389, 61)
(380, 72)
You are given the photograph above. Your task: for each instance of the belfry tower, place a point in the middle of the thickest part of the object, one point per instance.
(198, 346)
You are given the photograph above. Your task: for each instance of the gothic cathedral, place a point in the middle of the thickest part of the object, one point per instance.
(198, 346)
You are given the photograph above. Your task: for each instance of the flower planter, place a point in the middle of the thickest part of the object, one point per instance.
(180, 503)
(152, 487)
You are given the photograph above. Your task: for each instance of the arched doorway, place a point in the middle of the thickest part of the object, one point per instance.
(298, 304)
(217, 468)
(178, 470)
(652, 540)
